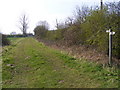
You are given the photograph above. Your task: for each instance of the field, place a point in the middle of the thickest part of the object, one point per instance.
(28, 63)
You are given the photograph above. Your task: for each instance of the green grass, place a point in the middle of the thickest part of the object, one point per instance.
(35, 65)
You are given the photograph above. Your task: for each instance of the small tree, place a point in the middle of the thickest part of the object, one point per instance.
(41, 29)
(23, 24)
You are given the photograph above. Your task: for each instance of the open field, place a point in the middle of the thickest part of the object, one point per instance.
(28, 63)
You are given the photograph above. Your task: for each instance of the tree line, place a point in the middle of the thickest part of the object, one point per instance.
(87, 27)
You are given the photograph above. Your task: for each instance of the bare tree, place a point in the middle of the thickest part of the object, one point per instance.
(23, 24)
(60, 25)
(81, 13)
(56, 23)
(43, 24)
(69, 21)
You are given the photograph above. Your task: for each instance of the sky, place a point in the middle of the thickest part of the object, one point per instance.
(38, 10)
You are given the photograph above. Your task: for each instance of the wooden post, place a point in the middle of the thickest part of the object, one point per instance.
(110, 45)
(110, 48)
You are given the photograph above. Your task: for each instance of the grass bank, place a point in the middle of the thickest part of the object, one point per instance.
(28, 63)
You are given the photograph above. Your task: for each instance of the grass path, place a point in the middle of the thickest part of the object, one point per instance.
(30, 64)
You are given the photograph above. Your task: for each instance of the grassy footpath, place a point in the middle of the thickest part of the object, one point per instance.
(28, 63)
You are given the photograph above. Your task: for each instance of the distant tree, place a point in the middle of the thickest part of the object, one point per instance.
(44, 24)
(57, 24)
(13, 33)
(41, 29)
(60, 25)
(23, 20)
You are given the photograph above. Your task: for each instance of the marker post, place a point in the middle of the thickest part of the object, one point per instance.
(110, 45)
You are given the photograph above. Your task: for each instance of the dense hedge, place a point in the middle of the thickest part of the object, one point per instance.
(5, 41)
(89, 28)
(17, 35)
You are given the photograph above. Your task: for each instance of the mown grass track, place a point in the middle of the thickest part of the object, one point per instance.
(28, 63)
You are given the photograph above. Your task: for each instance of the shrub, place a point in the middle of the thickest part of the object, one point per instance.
(5, 41)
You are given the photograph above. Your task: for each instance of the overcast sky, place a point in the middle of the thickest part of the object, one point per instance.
(49, 10)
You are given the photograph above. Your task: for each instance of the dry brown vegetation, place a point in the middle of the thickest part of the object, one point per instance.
(82, 51)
